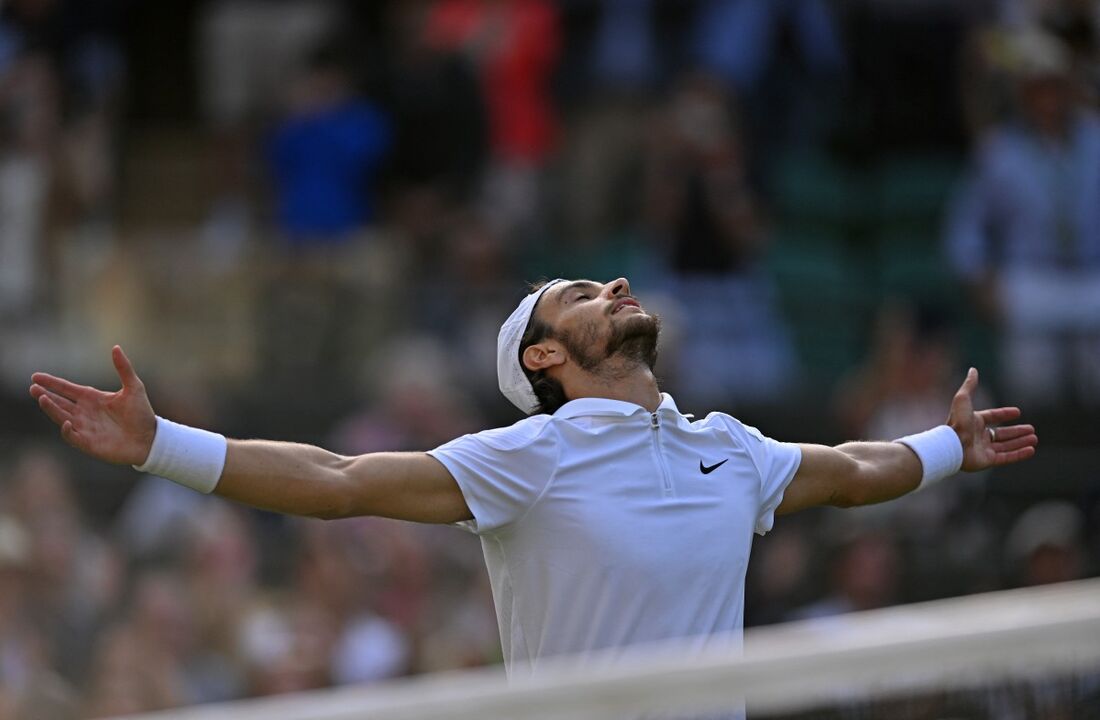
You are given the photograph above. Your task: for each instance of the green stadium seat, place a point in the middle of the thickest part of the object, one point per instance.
(915, 190)
(911, 265)
(810, 186)
(826, 296)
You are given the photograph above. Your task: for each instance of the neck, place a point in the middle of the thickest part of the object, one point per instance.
(632, 383)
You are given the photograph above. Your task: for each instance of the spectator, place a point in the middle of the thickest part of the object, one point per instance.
(421, 401)
(130, 676)
(1046, 544)
(139, 664)
(287, 645)
(439, 115)
(625, 52)
(514, 45)
(219, 575)
(20, 644)
(190, 600)
(93, 70)
(246, 51)
(739, 39)
(367, 642)
(911, 368)
(467, 298)
(777, 54)
(604, 141)
(913, 360)
(863, 575)
(1024, 232)
(325, 155)
(30, 113)
(76, 575)
(779, 576)
(707, 221)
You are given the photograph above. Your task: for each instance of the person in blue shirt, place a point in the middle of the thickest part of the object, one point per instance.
(1024, 230)
(325, 156)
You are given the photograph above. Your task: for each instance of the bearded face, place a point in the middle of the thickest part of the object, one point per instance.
(632, 337)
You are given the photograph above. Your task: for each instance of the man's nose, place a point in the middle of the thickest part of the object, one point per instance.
(617, 287)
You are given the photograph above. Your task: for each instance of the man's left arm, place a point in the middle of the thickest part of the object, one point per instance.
(863, 473)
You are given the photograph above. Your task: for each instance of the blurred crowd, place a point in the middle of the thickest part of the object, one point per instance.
(306, 220)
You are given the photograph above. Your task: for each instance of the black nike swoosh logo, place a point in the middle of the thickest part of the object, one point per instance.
(708, 469)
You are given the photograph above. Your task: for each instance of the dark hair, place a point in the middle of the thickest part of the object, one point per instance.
(550, 393)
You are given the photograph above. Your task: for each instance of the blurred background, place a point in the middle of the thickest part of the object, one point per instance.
(306, 220)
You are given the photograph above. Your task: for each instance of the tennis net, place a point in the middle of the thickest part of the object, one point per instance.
(1029, 653)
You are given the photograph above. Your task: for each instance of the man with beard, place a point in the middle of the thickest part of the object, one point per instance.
(608, 519)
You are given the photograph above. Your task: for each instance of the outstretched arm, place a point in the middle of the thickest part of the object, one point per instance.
(119, 427)
(863, 473)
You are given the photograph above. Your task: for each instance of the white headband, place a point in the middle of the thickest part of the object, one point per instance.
(510, 376)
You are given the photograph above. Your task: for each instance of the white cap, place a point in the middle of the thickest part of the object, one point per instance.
(1052, 522)
(510, 376)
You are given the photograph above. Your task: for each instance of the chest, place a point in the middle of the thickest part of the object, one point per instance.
(651, 497)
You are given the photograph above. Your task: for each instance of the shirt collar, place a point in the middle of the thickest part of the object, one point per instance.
(595, 406)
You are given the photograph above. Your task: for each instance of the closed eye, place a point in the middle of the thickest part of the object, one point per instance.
(578, 291)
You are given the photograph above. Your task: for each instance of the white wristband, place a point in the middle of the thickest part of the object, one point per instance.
(940, 452)
(186, 455)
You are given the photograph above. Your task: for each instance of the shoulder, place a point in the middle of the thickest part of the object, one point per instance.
(518, 436)
(775, 462)
(734, 427)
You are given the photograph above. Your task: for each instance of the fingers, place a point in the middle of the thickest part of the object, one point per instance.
(53, 410)
(970, 383)
(1018, 443)
(124, 369)
(1011, 432)
(64, 403)
(994, 416)
(1014, 443)
(60, 386)
(1008, 458)
(71, 436)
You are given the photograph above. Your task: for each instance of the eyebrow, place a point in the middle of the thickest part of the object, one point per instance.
(576, 285)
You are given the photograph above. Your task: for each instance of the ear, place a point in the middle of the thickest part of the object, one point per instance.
(543, 355)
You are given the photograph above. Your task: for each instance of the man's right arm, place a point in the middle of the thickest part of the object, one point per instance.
(306, 480)
(120, 427)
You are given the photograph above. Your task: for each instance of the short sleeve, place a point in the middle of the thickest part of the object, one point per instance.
(501, 472)
(775, 461)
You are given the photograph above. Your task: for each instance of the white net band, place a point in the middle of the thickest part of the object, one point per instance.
(950, 643)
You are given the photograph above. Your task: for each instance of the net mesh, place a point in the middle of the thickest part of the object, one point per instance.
(1015, 655)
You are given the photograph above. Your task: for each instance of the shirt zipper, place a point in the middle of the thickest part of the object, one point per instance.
(666, 478)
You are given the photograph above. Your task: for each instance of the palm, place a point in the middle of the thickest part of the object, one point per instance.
(981, 449)
(114, 426)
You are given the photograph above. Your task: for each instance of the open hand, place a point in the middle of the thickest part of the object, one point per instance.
(985, 442)
(118, 427)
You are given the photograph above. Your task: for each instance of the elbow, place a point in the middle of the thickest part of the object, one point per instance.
(330, 508)
(333, 500)
(854, 491)
(841, 501)
(328, 513)
(846, 499)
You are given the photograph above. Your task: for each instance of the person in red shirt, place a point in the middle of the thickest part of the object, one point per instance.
(513, 45)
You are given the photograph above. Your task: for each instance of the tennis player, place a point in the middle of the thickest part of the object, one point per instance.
(608, 517)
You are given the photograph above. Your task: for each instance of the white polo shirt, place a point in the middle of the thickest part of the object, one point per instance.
(605, 525)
